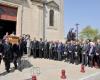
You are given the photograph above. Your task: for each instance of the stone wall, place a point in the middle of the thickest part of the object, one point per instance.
(30, 19)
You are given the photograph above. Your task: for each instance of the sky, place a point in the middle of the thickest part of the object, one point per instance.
(83, 12)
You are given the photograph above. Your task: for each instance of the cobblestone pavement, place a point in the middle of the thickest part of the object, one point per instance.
(46, 69)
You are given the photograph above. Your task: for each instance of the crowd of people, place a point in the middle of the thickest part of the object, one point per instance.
(84, 52)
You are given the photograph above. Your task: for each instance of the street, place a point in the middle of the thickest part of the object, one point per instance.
(46, 69)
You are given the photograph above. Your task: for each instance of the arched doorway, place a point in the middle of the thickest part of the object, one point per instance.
(8, 18)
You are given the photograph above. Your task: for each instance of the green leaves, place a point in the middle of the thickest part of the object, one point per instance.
(89, 33)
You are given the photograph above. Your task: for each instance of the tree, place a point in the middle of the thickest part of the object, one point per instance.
(89, 33)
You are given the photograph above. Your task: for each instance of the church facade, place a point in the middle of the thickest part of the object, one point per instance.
(38, 18)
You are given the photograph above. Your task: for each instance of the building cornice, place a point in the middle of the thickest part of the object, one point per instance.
(9, 4)
(15, 2)
(40, 3)
(53, 4)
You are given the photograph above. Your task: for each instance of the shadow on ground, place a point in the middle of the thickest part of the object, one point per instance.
(24, 64)
(5, 73)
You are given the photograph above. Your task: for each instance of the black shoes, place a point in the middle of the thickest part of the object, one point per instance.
(8, 71)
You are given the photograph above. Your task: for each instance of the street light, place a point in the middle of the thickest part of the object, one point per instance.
(77, 30)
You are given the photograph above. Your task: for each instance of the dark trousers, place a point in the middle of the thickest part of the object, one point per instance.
(7, 64)
(15, 62)
(76, 59)
(80, 57)
(40, 53)
(50, 53)
(34, 53)
(67, 56)
(91, 60)
(84, 59)
(37, 52)
(25, 50)
(72, 57)
(59, 56)
(55, 55)
(0, 59)
(97, 60)
(45, 54)
(21, 51)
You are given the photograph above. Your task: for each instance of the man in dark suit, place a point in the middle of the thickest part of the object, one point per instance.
(85, 52)
(51, 50)
(41, 46)
(62, 51)
(22, 46)
(55, 51)
(71, 51)
(46, 49)
(53, 54)
(7, 54)
(59, 51)
(77, 52)
(97, 56)
(91, 54)
(66, 51)
(16, 54)
(33, 47)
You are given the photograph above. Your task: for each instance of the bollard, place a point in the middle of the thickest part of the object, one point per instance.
(63, 74)
(34, 77)
(82, 69)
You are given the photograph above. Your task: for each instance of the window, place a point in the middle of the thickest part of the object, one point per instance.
(51, 18)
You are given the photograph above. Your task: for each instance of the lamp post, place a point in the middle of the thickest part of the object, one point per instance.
(77, 30)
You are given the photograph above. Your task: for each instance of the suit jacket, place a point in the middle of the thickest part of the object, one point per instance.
(1, 48)
(92, 50)
(23, 44)
(98, 48)
(16, 51)
(70, 48)
(77, 49)
(86, 48)
(46, 46)
(55, 47)
(33, 44)
(41, 45)
(60, 48)
(7, 51)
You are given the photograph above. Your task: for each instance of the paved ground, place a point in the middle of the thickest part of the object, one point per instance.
(48, 70)
(94, 76)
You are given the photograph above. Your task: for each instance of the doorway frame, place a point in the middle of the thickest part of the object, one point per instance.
(18, 17)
